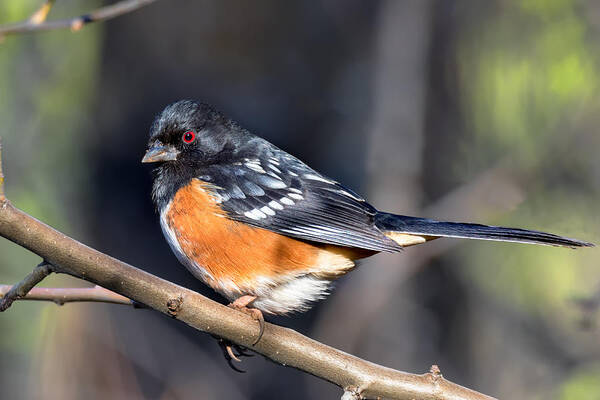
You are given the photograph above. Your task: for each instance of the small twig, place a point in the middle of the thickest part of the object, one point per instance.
(61, 296)
(2, 196)
(75, 24)
(42, 13)
(21, 289)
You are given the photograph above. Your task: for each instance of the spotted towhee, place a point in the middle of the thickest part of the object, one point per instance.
(264, 229)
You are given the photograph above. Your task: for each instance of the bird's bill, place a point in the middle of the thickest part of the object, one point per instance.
(159, 153)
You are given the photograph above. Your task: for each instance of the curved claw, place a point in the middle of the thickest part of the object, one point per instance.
(243, 352)
(233, 367)
(231, 354)
(258, 315)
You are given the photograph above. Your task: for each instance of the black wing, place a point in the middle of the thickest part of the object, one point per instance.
(280, 193)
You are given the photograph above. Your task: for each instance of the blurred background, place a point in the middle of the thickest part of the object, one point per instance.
(461, 110)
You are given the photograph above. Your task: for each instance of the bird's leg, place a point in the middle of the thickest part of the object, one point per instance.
(241, 304)
(242, 301)
(231, 351)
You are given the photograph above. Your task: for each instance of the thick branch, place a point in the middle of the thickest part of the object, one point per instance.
(70, 295)
(76, 23)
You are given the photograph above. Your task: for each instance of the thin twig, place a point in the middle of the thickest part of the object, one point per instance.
(61, 296)
(21, 289)
(2, 196)
(76, 23)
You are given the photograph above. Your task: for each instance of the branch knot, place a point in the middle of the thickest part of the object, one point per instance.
(174, 306)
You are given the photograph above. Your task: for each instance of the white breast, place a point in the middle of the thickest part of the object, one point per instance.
(198, 271)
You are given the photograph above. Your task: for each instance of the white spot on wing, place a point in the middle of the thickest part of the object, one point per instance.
(286, 201)
(255, 214)
(275, 205)
(296, 196)
(260, 213)
(250, 215)
(267, 210)
(254, 165)
(221, 197)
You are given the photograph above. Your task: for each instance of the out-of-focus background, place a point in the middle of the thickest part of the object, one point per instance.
(464, 110)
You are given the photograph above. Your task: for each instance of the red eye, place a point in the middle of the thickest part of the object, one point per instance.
(189, 137)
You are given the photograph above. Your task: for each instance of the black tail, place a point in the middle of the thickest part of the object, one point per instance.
(430, 229)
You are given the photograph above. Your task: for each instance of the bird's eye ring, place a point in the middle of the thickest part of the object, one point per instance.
(189, 137)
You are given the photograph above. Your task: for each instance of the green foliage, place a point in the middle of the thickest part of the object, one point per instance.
(583, 385)
(531, 73)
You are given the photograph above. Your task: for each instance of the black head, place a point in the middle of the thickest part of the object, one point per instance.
(191, 133)
(186, 138)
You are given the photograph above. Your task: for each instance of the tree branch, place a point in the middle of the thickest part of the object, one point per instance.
(61, 296)
(21, 289)
(36, 23)
(2, 196)
(357, 377)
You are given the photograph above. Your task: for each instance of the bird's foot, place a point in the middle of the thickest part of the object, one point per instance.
(241, 304)
(232, 352)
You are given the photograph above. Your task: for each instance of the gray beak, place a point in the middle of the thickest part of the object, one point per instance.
(159, 152)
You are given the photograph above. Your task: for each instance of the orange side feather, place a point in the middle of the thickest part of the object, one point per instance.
(235, 253)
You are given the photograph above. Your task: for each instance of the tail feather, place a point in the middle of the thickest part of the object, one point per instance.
(402, 226)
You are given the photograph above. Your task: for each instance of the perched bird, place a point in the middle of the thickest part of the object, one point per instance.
(264, 229)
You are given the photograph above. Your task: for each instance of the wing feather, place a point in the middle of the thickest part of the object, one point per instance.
(284, 195)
